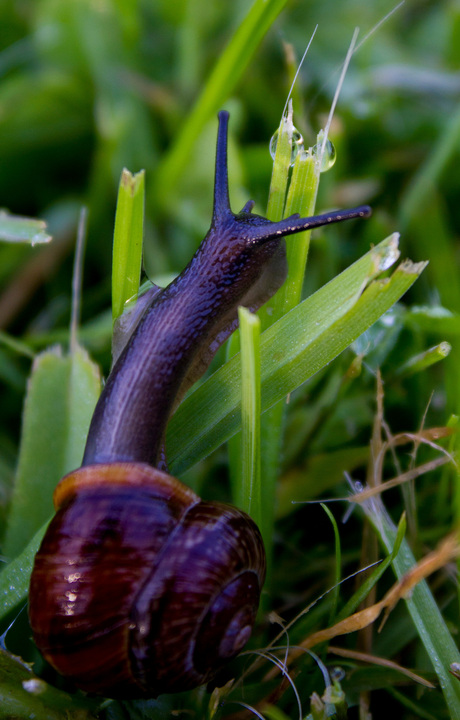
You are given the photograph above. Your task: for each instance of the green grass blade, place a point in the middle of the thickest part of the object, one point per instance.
(270, 436)
(292, 350)
(280, 173)
(423, 609)
(417, 709)
(363, 591)
(248, 492)
(226, 74)
(14, 578)
(127, 240)
(423, 360)
(14, 228)
(61, 396)
(431, 222)
(334, 595)
(301, 198)
(427, 177)
(17, 346)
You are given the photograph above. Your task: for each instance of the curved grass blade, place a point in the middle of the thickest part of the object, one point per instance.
(425, 613)
(14, 578)
(292, 350)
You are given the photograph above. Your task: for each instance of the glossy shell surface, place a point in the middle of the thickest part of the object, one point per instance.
(139, 587)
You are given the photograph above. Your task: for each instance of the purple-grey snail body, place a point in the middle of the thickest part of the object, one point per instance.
(140, 587)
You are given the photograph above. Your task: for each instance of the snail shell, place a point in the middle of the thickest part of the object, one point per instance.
(137, 577)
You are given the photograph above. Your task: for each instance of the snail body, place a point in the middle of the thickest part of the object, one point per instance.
(139, 587)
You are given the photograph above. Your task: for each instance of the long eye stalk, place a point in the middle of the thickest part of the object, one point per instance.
(267, 230)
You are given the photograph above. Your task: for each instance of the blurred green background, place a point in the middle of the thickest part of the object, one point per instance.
(88, 87)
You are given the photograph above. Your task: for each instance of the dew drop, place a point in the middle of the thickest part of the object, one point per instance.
(297, 144)
(337, 674)
(39, 238)
(329, 155)
(389, 318)
(34, 686)
(390, 253)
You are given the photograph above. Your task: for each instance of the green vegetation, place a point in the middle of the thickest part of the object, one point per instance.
(369, 360)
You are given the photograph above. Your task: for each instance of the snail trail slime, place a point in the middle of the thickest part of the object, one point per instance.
(140, 587)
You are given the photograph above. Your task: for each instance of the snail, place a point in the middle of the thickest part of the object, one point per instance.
(139, 587)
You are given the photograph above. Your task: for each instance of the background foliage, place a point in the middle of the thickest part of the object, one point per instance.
(88, 87)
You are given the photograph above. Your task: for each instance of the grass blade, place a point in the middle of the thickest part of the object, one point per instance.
(337, 565)
(423, 609)
(227, 71)
(292, 350)
(127, 240)
(363, 591)
(248, 492)
(14, 228)
(14, 578)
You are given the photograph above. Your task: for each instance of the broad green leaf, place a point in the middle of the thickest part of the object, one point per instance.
(14, 228)
(60, 400)
(292, 350)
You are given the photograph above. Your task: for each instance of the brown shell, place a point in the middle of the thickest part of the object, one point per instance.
(139, 587)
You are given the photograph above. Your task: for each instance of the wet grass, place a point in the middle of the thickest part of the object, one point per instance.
(87, 89)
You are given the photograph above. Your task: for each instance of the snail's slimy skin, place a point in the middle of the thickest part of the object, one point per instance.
(139, 587)
(241, 261)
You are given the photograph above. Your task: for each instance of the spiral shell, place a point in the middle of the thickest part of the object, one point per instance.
(140, 587)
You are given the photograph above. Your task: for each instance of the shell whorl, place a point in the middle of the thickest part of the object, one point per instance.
(165, 585)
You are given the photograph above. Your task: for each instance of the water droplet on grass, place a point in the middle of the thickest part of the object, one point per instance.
(297, 144)
(327, 157)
